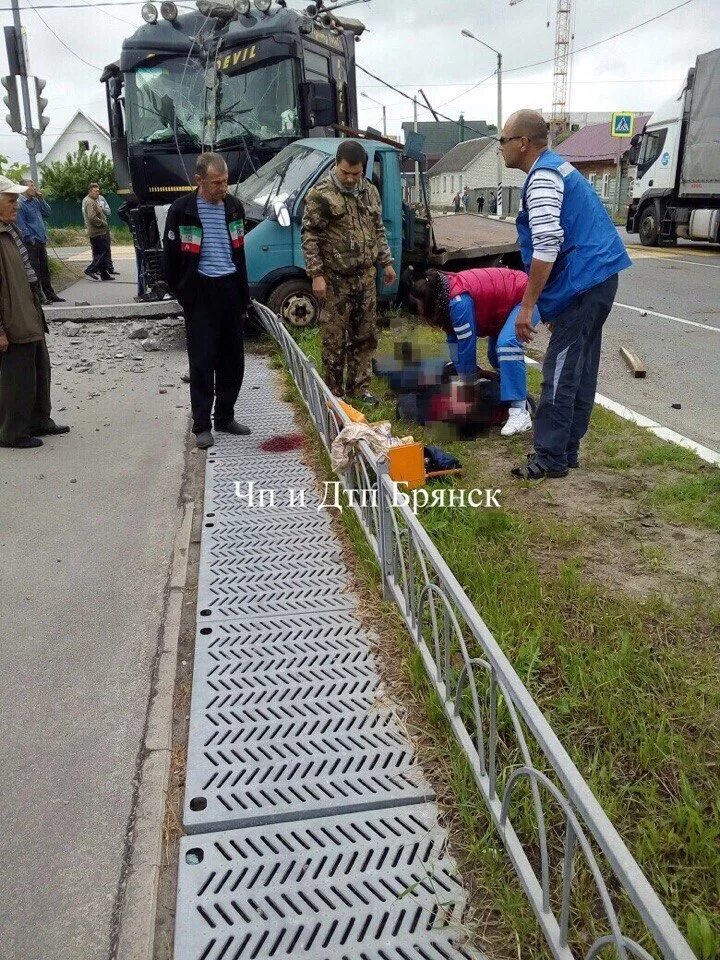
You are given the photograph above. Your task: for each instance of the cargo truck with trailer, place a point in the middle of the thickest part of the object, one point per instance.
(676, 193)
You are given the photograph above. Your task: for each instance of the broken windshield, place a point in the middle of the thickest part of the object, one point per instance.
(282, 178)
(168, 99)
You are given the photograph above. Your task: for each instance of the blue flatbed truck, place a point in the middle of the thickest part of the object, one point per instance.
(274, 200)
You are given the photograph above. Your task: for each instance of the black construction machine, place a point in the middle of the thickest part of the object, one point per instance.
(242, 79)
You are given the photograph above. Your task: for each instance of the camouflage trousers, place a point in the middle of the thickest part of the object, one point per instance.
(348, 325)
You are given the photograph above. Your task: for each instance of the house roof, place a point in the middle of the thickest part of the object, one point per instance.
(86, 120)
(443, 135)
(594, 142)
(461, 156)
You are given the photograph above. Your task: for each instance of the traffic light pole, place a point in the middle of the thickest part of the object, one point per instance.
(29, 132)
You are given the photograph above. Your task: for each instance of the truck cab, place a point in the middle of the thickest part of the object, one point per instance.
(274, 201)
(657, 150)
(676, 193)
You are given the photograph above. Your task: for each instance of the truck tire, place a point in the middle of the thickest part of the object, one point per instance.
(294, 302)
(649, 224)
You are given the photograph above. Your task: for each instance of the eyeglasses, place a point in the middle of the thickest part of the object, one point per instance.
(503, 140)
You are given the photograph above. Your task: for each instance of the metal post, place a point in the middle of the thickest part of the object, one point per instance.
(384, 120)
(417, 164)
(29, 133)
(499, 133)
(618, 182)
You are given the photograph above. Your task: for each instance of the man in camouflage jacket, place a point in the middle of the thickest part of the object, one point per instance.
(344, 240)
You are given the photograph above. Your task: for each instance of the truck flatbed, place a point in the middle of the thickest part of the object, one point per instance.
(471, 236)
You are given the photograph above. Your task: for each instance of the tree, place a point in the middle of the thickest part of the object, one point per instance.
(15, 171)
(68, 179)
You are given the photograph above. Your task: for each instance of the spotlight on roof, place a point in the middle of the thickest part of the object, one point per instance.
(149, 13)
(168, 11)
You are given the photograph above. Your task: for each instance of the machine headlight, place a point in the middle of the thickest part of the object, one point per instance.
(242, 7)
(149, 13)
(263, 5)
(168, 11)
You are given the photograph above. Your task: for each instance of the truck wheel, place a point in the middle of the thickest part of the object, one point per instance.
(294, 302)
(649, 225)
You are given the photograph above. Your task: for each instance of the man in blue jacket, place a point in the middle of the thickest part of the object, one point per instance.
(32, 213)
(572, 254)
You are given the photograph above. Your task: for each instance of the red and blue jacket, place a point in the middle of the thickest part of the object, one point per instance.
(182, 244)
(480, 303)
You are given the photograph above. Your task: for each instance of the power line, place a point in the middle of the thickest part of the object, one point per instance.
(480, 133)
(61, 41)
(528, 66)
(597, 43)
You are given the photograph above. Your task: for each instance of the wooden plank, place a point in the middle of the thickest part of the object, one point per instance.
(634, 363)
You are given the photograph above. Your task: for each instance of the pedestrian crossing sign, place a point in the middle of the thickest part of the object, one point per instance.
(622, 125)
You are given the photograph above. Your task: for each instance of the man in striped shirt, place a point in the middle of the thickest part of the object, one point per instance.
(572, 254)
(204, 266)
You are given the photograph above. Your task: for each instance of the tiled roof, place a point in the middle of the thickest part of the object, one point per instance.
(461, 156)
(595, 143)
(442, 136)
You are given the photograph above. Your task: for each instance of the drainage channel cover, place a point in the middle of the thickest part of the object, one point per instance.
(295, 743)
(375, 885)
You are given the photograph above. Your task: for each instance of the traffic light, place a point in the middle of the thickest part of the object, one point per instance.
(43, 121)
(12, 102)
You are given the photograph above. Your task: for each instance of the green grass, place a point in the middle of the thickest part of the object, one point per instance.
(630, 685)
(77, 237)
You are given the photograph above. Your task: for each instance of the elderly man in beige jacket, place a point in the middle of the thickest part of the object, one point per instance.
(24, 360)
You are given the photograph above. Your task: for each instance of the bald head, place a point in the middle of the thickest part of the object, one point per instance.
(530, 124)
(524, 138)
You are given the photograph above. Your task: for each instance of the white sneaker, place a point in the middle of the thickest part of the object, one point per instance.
(518, 421)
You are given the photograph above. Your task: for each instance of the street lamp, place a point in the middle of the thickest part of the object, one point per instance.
(471, 36)
(384, 110)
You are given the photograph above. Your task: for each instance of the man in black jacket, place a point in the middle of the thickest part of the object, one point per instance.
(204, 266)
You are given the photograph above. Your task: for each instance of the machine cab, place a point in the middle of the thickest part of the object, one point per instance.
(274, 200)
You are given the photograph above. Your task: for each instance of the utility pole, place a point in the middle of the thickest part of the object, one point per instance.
(29, 132)
(500, 166)
(417, 164)
(384, 110)
(19, 67)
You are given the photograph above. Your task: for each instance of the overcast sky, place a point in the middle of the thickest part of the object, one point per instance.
(413, 43)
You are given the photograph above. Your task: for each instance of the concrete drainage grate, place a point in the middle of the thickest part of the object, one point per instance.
(366, 886)
(329, 847)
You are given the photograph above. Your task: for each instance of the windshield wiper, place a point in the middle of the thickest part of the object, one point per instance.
(280, 182)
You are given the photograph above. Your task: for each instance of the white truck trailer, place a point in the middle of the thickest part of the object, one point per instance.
(677, 189)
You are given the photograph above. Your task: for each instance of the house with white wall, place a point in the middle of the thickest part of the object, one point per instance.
(474, 165)
(81, 133)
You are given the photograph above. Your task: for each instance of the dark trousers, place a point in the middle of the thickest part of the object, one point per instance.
(37, 252)
(101, 262)
(111, 265)
(214, 329)
(24, 390)
(570, 375)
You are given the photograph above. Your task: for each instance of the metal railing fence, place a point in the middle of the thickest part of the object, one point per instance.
(506, 739)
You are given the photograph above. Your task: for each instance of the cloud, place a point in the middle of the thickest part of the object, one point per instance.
(418, 43)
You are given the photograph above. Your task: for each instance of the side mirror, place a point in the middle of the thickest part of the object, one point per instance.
(319, 105)
(634, 150)
(282, 214)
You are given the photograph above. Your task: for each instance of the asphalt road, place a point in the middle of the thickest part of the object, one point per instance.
(87, 525)
(682, 354)
(680, 348)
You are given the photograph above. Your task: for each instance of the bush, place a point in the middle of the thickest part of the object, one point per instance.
(14, 172)
(68, 179)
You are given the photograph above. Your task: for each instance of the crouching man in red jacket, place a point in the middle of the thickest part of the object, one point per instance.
(482, 303)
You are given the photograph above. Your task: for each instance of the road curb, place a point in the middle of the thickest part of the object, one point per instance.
(136, 925)
(114, 311)
(652, 426)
